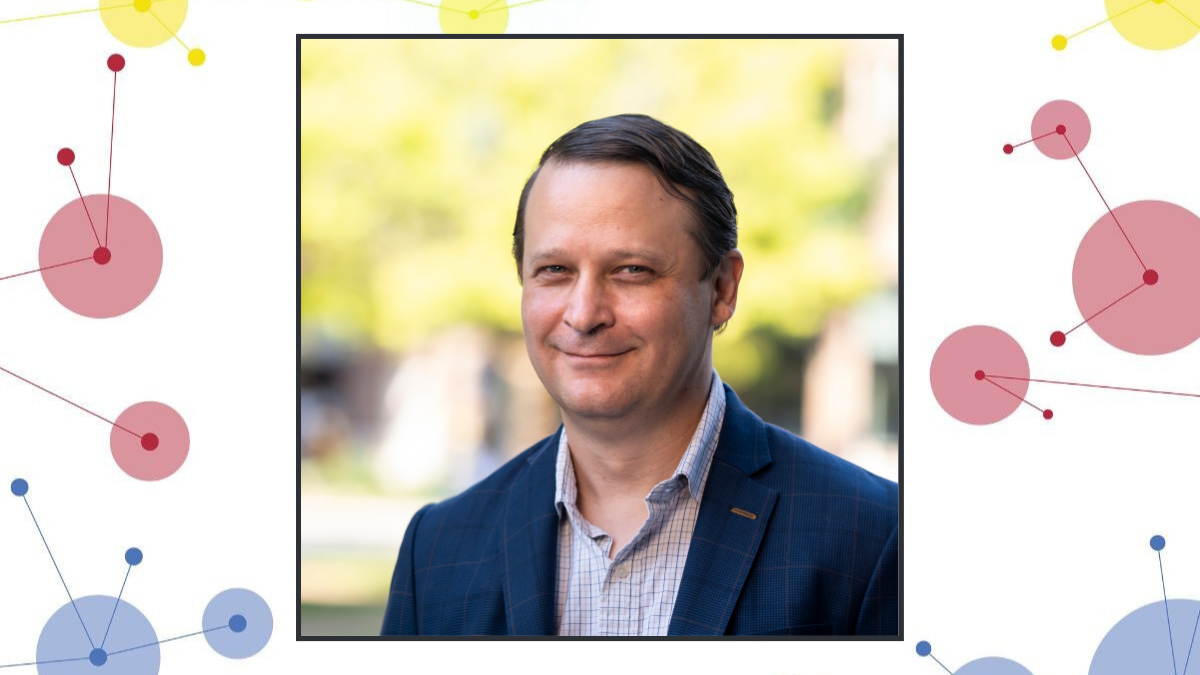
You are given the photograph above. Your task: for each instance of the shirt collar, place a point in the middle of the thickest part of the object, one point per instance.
(693, 466)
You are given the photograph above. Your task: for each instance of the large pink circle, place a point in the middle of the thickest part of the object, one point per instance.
(953, 375)
(1077, 129)
(1154, 319)
(71, 266)
(149, 441)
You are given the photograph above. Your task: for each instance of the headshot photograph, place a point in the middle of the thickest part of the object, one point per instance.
(599, 337)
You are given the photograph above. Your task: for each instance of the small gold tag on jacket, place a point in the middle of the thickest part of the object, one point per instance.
(747, 514)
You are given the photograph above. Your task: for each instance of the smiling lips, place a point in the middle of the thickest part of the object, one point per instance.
(595, 357)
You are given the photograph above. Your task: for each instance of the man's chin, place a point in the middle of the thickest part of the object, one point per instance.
(594, 402)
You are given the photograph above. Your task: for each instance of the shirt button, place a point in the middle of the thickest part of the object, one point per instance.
(621, 570)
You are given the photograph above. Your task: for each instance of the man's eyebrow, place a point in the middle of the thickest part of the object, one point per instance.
(622, 254)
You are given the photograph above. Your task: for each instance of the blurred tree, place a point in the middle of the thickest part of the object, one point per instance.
(413, 154)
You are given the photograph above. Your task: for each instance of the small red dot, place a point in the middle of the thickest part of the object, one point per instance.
(1008, 148)
(1061, 129)
(1047, 413)
(66, 157)
(102, 255)
(1058, 338)
(1150, 277)
(116, 62)
(979, 375)
(149, 441)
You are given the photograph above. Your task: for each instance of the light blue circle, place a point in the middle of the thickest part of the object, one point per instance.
(924, 648)
(1157, 542)
(133, 556)
(1141, 643)
(255, 621)
(993, 665)
(20, 487)
(130, 646)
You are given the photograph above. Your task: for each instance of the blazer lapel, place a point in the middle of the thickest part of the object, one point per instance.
(734, 512)
(529, 545)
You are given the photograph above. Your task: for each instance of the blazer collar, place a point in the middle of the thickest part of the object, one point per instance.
(529, 545)
(733, 517)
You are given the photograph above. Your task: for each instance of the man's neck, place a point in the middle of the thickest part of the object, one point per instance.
(624, 459)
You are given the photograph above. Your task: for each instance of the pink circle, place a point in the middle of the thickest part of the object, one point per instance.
(69, 264)
(955, 378)
(1047, 120)
(1156, 318)
(149, 460)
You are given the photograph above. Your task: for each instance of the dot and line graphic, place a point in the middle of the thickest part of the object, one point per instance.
(1135, 281)
(1159, 637)
(473, 16)
(100, 257)
(137, 23)
(97, 630)
(1151, 24)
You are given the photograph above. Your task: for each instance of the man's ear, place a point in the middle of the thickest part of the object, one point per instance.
(725, 287)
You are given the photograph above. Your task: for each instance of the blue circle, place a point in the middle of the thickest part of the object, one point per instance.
(924, 648)
(133, 556)
(993, 665)
(129, 643)
(20, 487)
(1141, 643)
(1157, 542)
(220, 623)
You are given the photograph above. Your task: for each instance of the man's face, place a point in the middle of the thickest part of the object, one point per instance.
(616, 317)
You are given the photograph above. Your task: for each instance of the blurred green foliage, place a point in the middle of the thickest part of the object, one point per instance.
(413, 154)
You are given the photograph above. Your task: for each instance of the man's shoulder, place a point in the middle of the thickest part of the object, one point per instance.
(802, 470)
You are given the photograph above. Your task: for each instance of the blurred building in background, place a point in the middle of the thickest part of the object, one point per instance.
(414, 379)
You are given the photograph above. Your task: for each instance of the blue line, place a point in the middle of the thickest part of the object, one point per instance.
(60, 576)
(1171, 635)
(941, 664)
(35, 663)
(178, 637)
(115, 605)
(1193, 642)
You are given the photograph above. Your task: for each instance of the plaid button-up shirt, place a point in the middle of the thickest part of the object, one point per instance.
(634, 592)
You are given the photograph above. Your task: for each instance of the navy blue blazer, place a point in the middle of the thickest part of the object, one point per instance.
(818, 558)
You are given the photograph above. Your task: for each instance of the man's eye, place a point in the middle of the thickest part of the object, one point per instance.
(636, 269)
(554, 269)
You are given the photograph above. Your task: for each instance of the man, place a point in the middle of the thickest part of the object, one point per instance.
(661, 506)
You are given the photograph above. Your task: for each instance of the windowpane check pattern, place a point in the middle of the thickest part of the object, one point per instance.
(634, 592)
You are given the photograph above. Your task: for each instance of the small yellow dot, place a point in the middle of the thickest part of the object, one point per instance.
(474, 14)
(1159, 2)
(141, 5)
(196, 57)
(1059, 42)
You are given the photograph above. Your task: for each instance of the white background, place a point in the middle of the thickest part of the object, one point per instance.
(1025, 539)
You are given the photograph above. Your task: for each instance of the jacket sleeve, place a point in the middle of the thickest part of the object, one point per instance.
(879, 614)
(400, 618)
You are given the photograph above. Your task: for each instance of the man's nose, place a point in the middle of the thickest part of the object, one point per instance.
(589, 305)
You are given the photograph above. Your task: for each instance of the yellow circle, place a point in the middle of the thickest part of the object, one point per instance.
(196, 57)
(142, 5)
(143, 28)
(1153, 25)
(473, 16)
(1059, 42)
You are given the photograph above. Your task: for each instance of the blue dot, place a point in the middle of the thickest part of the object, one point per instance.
(133, 556)
(98, 657)
(1157, 542)
(20, 487)
(237, 623)
(924, 648)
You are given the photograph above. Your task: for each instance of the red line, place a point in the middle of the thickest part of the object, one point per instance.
(111, 132)
(1022, 400)
(1106, 308)
(1097, 386)
(1110, 211)
(47, 267)
(85, 209)
(69, 401)
(1035, 138)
